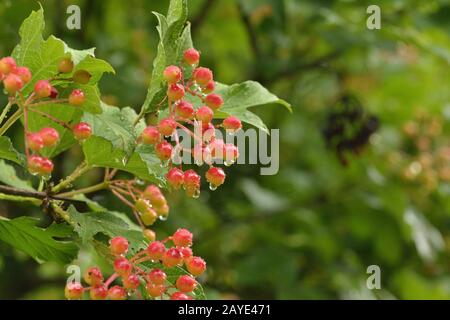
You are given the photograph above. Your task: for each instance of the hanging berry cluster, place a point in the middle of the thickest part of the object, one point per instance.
(207, 149)
(14, 79)
(134, 273)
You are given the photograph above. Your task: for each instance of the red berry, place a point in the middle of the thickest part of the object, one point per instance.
(65, 65)
(179, 296)
(191, 56)
(155, 250)
(49, 136)
(77, 97)
(12, 84)
(182, 238)
(155, 290)
(191, 178)
(24, 73)
(42, 89)
(202, 154)
(150, 234)
(54, 93)
(154, 195)
(209, 88)
(172, 74)
(7, 65)
(204, 114)
(186, 252)
(196, 266)
(82, 131)
(175, 178)
(214, 101)
(46, 167)
(122, 266)
(231, 153)
(35, 141)
(74, 291)
(117, 293)
(164, 150)
(34, 164)
(186, 283)
(232, 123)
(150, 135)
(99, 292)
(118, 246)
(93, 276)
(184, 110)
(172, 257)
(175, 92)
(215, 176)
(202, 76)
(157, 276)
(217, 148)
(131, 282)
(167, 126)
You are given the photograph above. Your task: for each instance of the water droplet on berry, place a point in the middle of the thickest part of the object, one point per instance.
(163, 218)
(212, 187)
(140, 182)
(196, 194)
(228, 163)
(124, 160)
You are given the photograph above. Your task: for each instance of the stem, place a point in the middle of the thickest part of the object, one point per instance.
(62, 213)
(79, 171)
(25, 124)
(61, 123)
(49, 102)
(140, 116)
(110, 280)
(91, 189)
(10, 121)
(5, 111)
(9, 197)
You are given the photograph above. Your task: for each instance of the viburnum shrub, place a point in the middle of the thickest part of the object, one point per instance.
(52, 92)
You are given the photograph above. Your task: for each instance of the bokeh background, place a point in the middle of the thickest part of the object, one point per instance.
(364, 159)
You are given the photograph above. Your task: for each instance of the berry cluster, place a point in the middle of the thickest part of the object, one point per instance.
(15, 78)
(207, 149)
(133, 271)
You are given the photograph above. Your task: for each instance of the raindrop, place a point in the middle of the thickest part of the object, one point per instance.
(212, 187)
(196, 194)
(140, 182)
(124, 160)
(228, 163)
(162, 218)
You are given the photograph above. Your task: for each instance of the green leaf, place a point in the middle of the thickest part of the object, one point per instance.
(96, 67)
(143, 163)
(41, 244)
(9, 176)
(115, 125)
(87, 225)
(8, 152)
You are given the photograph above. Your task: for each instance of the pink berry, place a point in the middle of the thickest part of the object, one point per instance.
(77, 97)
(49, 136)
(93, 276)
(164, 150)
(99, 292)
(7, 65)
(217, 148)
(65, 65)
(46, 167)
(54, 93)
(12, 84)
(24, 74)
(118, 246)
(155, 290)
(196, 266)
(184, 110)
(191, 56)
(179, 296)
(232, 123)
(167, 126)
(42, 89)
(202, 76)
(191, 178)
(204, 114)
(175, 178)
(157, 276)
(172, 74)
(231, 152)
(131, 282)
(214, 101)
(182, 238)
(172, 257)
(155, 250)
(202, 154)
(175, 92)
(154, 195)
(82, 131)
(35, 141)
(209, 88)
(215, 176)
(150, 135)
(34, 164)
(117, 293)
(186, 283)
(186, 252)
(122, 266)
(74, 291)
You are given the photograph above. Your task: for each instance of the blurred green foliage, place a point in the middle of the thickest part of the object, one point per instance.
(312, 230)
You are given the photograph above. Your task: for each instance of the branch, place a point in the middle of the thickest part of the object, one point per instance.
(32, 194)
(79, 171)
